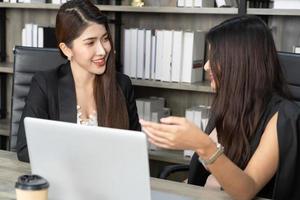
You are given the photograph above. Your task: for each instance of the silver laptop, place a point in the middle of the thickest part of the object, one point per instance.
(84, 162)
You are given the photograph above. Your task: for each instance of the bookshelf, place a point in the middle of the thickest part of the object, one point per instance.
(4, 127)
(122, 8)
(169, 156)
(6, 68)
(284, 23)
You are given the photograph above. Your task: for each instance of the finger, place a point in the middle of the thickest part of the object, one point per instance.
(154, 137)
(155, 133)
(159, 127)
(173, 120)
(159, 144)
(162, 134)
(144, 122)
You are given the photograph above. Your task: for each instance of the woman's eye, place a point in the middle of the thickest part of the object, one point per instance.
(90, 43)
(105, 38)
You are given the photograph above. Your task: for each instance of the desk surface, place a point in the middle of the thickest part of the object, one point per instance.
(11, 168)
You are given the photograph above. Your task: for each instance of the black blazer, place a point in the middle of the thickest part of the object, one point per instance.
(52, 96)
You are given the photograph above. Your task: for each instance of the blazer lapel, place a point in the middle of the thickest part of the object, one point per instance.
(66, 95)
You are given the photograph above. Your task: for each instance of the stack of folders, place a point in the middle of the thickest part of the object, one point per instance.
(226, 3)
(195, 3)
(36, 36)
(286, 4)
(164, 55)
(199, 115)
(152, 109)
(259, 3)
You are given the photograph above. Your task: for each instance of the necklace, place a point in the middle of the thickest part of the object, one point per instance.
(90, 121)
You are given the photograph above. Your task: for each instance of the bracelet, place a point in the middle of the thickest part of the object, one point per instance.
(213, 158)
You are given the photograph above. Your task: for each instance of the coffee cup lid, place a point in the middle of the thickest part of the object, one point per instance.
(31, 182)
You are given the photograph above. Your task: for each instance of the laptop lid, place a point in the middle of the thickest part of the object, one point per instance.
(85, 162)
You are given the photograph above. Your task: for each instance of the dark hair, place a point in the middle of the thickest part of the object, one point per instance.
(246, 69)
(72, 19)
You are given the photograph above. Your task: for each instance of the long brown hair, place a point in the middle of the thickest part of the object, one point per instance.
(72, 19)
(247, 73)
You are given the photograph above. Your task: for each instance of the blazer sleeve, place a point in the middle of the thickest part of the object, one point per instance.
(36, 106)
(128, 91)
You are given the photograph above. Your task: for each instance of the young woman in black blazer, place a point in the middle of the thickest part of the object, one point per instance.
(251, 146)
(87, 89)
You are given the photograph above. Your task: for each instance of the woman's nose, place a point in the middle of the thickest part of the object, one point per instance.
(100, 49)
(207, 66)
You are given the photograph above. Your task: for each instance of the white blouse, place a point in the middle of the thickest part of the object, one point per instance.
(91, 121)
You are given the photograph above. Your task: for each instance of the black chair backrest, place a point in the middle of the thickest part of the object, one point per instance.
(27, 61)
(290, 63)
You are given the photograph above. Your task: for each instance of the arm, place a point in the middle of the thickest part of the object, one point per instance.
(178, 133)
(36, 106)
(260, 169)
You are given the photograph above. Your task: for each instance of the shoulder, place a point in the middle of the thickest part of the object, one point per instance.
(124, 83)
(50, 76)
(123, 79)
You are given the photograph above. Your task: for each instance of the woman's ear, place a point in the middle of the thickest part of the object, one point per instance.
(66, 50)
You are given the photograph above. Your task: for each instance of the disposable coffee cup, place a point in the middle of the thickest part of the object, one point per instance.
(32, 187)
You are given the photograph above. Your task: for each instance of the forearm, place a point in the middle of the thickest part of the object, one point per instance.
(232, 179)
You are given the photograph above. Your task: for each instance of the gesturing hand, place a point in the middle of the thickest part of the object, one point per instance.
(175, 133)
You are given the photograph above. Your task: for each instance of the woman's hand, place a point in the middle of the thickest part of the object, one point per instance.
(175, 133)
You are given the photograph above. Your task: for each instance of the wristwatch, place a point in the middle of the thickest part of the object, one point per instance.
(213, 158)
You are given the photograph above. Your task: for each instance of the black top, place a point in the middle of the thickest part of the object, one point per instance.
(285, 183)
(52, 96)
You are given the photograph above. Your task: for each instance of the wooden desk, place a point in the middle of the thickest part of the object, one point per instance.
(11, 168)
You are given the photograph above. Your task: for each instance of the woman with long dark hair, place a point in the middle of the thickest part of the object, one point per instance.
(250, 146)
(87, 89)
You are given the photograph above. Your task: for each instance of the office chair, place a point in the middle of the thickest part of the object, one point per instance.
(290, 64)
(27, 61)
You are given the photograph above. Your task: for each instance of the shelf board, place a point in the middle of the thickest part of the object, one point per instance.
(171, 156)
(6, 68)
(45, 6)
(4, 127)
(270, 11)
(151, 9)
(197, 87)
(113, 8)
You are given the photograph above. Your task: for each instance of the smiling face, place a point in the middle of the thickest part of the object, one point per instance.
(90, 50)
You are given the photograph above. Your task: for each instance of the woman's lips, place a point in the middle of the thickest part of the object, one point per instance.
(99, 62)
